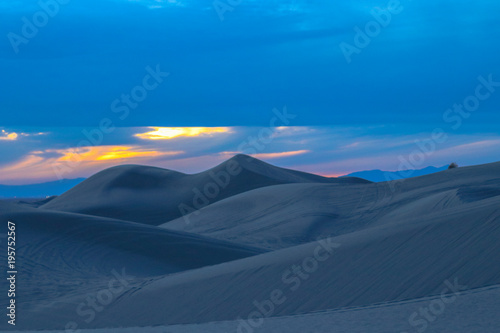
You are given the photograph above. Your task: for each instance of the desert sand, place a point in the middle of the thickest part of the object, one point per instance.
(275, 250)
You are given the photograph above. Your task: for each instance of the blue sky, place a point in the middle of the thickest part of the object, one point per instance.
(85, 59)
(264, 54)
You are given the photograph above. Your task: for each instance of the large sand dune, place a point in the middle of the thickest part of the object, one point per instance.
(281, 251)
(154, 196)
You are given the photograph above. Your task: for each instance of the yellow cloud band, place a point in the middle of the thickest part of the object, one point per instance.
(167, 133)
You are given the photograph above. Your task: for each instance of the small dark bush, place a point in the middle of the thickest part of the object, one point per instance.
(453, 166)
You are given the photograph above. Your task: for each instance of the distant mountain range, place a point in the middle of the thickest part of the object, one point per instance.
(38, 190)
(382, 176)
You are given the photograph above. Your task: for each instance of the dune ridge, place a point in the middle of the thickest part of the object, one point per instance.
(154, 196)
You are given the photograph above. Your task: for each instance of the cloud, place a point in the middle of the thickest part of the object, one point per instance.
(157, 4)
(477, 145)
(167, 133)
(325, 150)
(465, 151)
(281, 154)
(13, 136)
(42, 165)
(106, 153)
(228, 154)
(8, 136)
(287, 131)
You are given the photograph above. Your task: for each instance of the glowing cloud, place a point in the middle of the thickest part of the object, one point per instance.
(167, 133)
(282, 154)
(8, 136)
(75, 162)
(104, 153)
(13, 136)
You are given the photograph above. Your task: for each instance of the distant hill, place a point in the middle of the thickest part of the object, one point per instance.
(382, 176)
(38, 190)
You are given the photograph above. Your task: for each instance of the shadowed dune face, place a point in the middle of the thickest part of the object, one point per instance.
(154, 196)
(474, 193)
(138, 178)
(63, 253)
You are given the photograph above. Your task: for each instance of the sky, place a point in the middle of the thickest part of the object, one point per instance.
(79, 152)
(363, 79)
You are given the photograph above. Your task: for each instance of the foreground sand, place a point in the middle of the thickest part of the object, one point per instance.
(474, 311)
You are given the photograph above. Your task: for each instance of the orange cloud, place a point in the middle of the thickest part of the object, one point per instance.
(167, 133)
(73, 162)
(103, 153)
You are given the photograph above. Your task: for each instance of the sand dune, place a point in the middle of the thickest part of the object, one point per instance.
(286, 215)
(283, 251)
(374, 265)
(66, 254)
(154, 195)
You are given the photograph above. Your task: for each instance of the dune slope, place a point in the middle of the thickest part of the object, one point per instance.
(153, 195)
(280, 216)
(66, 254)
(380, 264)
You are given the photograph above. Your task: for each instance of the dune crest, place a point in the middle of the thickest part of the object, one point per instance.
(154, 196)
